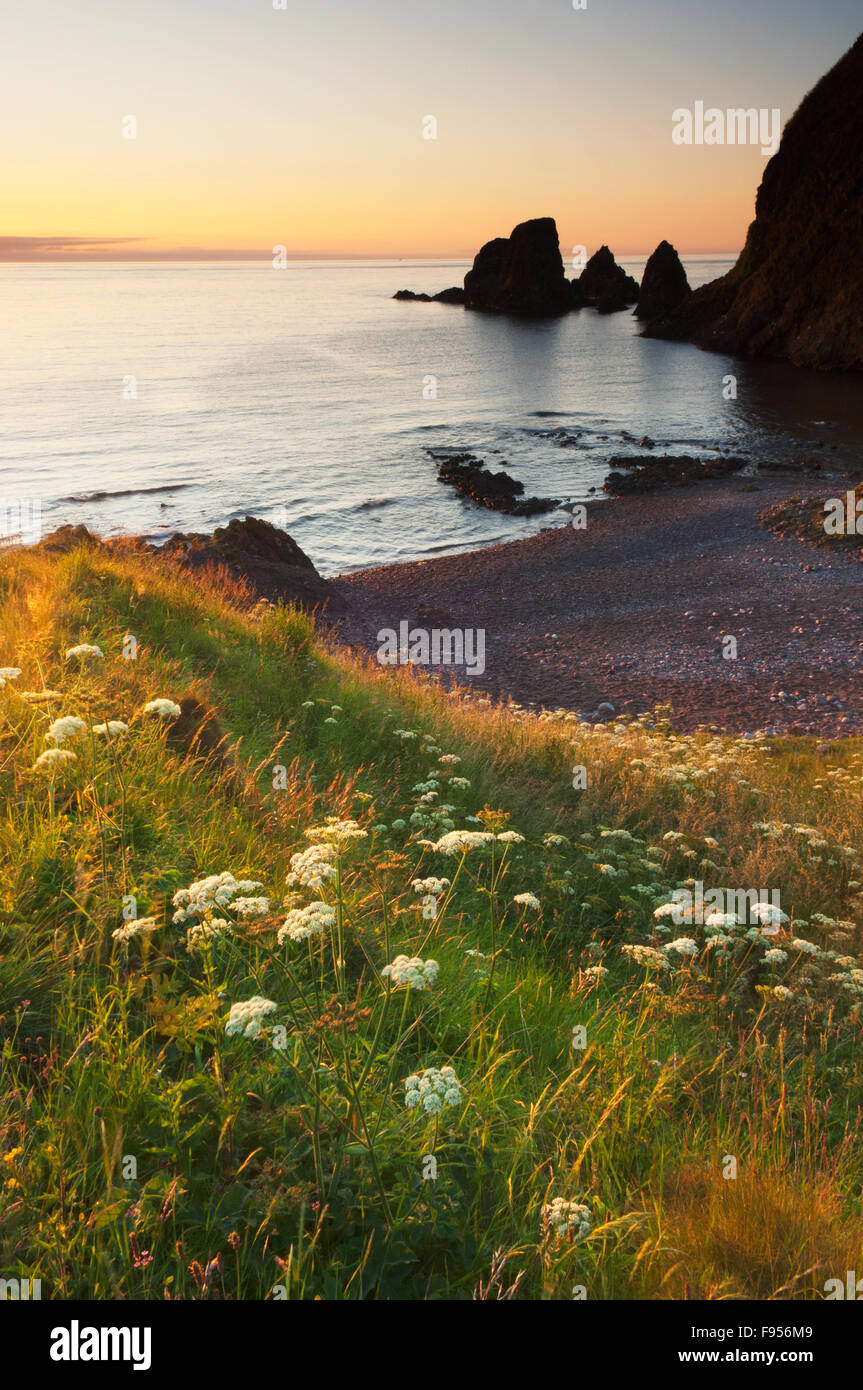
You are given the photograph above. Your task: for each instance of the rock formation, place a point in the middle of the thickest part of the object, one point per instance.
(664, 284)
(796, 293)
(267, 559)
(604, 283)
(520, 274)
(498, 491)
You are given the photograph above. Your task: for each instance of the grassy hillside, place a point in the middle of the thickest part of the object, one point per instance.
(150, 1148)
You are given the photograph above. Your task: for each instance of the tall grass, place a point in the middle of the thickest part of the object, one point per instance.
(145, 1153)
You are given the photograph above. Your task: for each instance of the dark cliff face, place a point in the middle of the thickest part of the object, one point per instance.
(520, 274)
(796, 293)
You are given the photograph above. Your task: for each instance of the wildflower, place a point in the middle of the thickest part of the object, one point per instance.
(461, 783)
(412, 972)
(330, 720)
(432, 1088)
(245, 1018)
(806, 948)
(336, 832)
(53, 757)
(136, 926)
(430, 885)
(40, 697)
(767, 913)
(683, 945)
(528, 900)
(303, 922)
(114, 728)
(595, 972)
(217, 890)
(429, 907)
(163, 709)
(66, 727)
(83, 650)
(249, 908)
(719, 921)
(449, 759)
(9, 673)
(312, 866)
(608, 869)
(569, 1219)
(203, 934)
(554, 841)
(457, 841)
(647, 956)
(509, 837)
(780, 992)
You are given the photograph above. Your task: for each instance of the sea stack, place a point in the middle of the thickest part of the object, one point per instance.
(605, 284)
(664, 284)
(796, 293)
(520, 274)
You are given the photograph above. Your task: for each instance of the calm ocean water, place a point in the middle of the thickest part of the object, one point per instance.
(307, 395)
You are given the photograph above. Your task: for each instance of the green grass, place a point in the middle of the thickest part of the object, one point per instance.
(145, 1153)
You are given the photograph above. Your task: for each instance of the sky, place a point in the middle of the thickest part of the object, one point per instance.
(303, 126)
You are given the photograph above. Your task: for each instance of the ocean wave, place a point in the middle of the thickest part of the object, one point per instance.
(105, 496)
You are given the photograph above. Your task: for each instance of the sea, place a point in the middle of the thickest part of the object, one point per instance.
(153, 397)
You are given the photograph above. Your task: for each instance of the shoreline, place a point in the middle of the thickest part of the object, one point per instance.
(633, 610)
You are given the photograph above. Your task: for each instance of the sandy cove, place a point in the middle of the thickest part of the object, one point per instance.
(632, 610)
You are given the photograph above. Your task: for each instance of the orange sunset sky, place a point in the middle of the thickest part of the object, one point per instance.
(302, 126)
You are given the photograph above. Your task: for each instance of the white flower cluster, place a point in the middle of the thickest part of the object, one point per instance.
(527, 900)
(570, 1219)
(245, 1018)
(430, 885)
(460, 841)
(336, 832)
(303, 922)
(163, 709)
(203, 934)
(68, 726)
(113, 728)
(9, 673)
(137, 926)
(311, 866)
(432, 1089)
(412, 972)
(52, 758)
(217, 890)
(647, 956)
(84, 649)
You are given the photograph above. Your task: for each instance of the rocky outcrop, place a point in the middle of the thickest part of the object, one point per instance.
(796, 293)
(269, 560)
(454, 295)
(605, 284)
(520, 274)
(664, 284)
(498, 491)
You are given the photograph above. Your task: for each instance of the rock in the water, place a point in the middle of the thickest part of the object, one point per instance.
(520, 274)
(454, 295)
(646, 473)
(664, 283)
(604, 283)
(796, 292)
(269, 560)
(498, 491)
